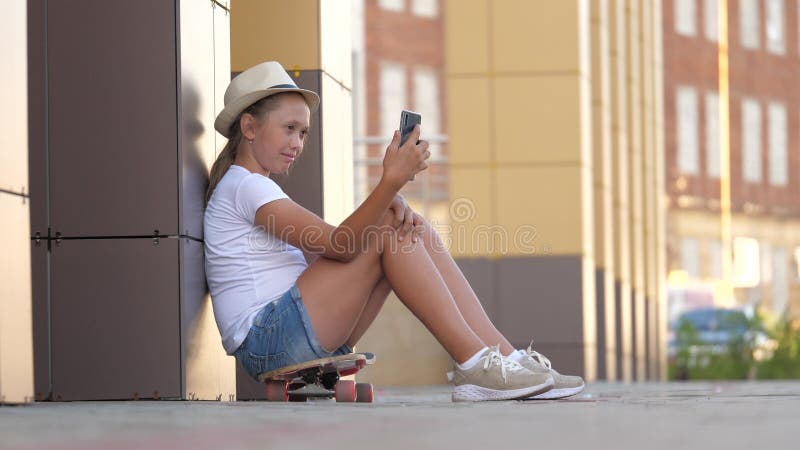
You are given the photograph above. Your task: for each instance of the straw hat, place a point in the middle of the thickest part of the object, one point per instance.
(255, 83)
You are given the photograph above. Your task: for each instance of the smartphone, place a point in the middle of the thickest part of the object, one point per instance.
(407, 121)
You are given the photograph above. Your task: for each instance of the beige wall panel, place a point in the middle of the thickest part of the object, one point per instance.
(16, 334)
(208, 372)
(660, 188)
(400, 341)
(13, 92)
(196, 113)
(222, 68)
(589, 314)
(619, 152)
(526, 203)
(648, 16)
(337, 160)
(471, 217)
(335, 40)
(287, 32)
(639, 329)
(603, 183)
(468, 119)
(466, 36)
(625, 331)
(540, 35)
(541, 119)
(601, 134)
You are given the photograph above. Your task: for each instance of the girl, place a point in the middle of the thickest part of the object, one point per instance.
(275, 306)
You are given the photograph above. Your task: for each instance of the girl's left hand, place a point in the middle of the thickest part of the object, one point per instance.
(405, 218)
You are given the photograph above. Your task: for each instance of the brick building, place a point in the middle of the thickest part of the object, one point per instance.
(399, 59)
(764, 116)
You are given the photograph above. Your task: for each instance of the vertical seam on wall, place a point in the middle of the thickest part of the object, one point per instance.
(491, 113)
(492, 259)
(49, 273)
(178, 142)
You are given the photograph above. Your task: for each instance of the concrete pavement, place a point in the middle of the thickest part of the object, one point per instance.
(704, 415)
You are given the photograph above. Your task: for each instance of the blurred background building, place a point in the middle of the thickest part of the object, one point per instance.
(737, 249)
(598, 166)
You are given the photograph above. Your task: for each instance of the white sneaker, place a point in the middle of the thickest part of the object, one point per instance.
(494, 377)
(564, 385)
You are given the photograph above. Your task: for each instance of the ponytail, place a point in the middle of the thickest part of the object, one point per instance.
(224, 160)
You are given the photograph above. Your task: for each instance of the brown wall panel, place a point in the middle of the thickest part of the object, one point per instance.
(115, 319)
(112, 117)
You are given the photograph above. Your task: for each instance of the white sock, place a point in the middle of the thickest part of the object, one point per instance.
(517, 355)
(468, 364)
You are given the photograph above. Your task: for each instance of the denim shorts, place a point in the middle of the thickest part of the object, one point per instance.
(281, 336)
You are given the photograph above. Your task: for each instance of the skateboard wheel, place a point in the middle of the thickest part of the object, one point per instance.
(276, 391)
(364, 393)
(345, 391)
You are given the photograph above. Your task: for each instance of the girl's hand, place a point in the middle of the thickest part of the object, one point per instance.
(403, 217)
(400, 164)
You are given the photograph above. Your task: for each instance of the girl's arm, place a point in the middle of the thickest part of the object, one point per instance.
(305, 230)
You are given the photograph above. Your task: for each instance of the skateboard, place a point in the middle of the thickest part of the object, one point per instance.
(319, 378)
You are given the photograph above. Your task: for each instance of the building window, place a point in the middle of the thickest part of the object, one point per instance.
(715, 259)
(778, 170)
(690, 261)
(710, 20)
(712, 134)
(425, 8)
(685, 17)
(780, 280)
(686, 99)
(392, 5)
(426, 102)
(796, 264)
(776, 31)
(749, 23)
(393, 97)
(746, 264)
(751, 140)
(765, 255)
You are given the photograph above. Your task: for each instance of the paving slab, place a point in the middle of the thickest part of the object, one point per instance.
(729, 415)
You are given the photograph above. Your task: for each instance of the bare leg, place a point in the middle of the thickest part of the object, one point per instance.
(374, 304)
(335, 295)
(468, 303)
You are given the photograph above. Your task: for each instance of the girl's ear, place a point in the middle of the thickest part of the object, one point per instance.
(247, 124)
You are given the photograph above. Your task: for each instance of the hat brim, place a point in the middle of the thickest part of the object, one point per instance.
(232, 110)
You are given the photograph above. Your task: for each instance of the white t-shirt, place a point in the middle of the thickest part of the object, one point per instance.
(246, 266)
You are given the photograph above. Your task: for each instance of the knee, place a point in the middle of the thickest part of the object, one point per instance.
(429, 235)
(378, 235)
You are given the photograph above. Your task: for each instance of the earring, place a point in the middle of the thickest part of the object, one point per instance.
(251, 141)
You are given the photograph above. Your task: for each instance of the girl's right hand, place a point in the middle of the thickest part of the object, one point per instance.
(400, 164)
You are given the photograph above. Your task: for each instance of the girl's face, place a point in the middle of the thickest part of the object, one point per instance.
(280, 138)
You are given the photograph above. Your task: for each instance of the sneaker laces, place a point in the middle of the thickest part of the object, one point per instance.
(538, 357)
(495, 358)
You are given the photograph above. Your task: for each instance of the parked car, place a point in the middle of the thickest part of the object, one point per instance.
(715, 343)
(712, 329)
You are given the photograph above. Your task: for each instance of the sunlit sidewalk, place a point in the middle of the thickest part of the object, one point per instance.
(607, 415)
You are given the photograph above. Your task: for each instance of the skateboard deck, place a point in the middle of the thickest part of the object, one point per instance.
(320, 378)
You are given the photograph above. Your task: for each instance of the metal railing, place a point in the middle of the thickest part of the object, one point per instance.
(429, 187)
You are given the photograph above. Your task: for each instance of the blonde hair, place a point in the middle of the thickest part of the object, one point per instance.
(260, 111)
